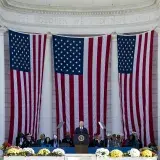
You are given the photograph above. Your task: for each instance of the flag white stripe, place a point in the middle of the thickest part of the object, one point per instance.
(28, 106)
(76, 101)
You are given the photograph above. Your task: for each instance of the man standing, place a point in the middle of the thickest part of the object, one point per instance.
(81, 129)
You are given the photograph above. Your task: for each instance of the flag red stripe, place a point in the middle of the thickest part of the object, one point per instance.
(143, 86)
(125, 104)
(81, 111)
(90, 110)
(98, 85)
(25, 93)
(137, 84)
(63, 101)
(131, 102)
(106, 77)
(71, 88)
(19, 101)
(12, 108)
(150, 89)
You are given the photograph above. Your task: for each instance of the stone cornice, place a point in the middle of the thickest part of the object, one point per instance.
(74, 11)
(79, 22)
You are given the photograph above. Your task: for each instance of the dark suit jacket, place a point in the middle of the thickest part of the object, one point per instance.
(79, 131)
(40, 143)
(95, 143)
(53, 141)
(68, 141)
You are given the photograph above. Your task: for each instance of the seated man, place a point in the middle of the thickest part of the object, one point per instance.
(68, 140)
(28, 142)
(108, 140)
(55, 142)
(20, 139)
(81, 129)
(41, 141)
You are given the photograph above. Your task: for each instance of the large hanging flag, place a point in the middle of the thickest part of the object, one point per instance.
(27, 53)
(135, 81)
(81, 81)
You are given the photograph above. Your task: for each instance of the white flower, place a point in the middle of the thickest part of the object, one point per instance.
(30, 150)
(59, 151)
(102, 152)
(134, 152)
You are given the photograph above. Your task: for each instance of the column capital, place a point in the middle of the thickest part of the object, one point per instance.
(114, 36)
(158, 30)
(3, 30)
(49, 35)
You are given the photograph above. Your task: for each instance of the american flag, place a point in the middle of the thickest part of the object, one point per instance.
(135, 80)
(27, 53)
(81, 81)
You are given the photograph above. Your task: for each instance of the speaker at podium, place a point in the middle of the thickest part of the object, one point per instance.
(81, 142)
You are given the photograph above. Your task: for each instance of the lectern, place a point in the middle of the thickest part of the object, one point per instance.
(81, 142)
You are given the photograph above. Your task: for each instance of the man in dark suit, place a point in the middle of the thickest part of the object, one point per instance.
(81, 129)
(55, 141)
(28, 142)
(41, 141)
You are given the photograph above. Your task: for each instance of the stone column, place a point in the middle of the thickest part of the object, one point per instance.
(116, 117)
(2, 87)
(46, 125)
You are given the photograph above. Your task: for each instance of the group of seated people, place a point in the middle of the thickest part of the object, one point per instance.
(110, 141)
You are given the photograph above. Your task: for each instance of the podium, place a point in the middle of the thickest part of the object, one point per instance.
(81, 142)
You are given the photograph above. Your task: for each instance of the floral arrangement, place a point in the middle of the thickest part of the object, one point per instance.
(13, 151)
(134, 152)
(43, 152)
(27, 152)
(144, 152)
(116, 153)
(5, 146)
(102, 152)
(58, 152)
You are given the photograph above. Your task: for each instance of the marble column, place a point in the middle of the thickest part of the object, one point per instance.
(116, 117)
(46, 125)
(2, 87)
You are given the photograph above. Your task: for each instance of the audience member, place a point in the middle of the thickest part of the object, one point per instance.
(47, 142)
(28, 141)
(132, 142)
(68, 140)
(153, 147)
(114, 142)
(55, 142)
(41, 141)
(108, 140)
(20, 139)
